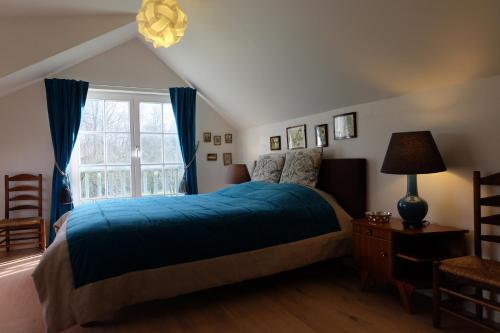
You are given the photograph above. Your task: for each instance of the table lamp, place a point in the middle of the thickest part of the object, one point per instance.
(412, 153)
(237, 174)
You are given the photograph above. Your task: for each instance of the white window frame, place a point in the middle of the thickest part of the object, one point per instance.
(134, 98)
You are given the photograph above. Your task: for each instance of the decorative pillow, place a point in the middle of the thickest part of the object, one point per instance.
(268, 168)
(302, 167)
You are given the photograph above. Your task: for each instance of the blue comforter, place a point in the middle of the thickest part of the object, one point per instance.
(110, 238)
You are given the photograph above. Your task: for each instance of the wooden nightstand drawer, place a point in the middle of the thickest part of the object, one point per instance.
(370, 231)
(374, 255)
(380, 261)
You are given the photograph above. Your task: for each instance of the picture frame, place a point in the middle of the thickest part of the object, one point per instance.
(275, 142)
(211, 157)
(296, 137)
(217, 140)
(228, 138)
(207, 137)
(227, 158)
(321, 134)
(345, 126)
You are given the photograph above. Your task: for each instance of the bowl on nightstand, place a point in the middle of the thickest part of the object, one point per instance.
(378, 216)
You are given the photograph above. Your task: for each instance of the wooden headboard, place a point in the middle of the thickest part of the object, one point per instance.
(345, 179)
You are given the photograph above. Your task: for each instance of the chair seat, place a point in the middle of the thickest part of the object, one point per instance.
(473, 268)
(21, 222)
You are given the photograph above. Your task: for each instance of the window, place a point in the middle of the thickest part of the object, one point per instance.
(127, 146)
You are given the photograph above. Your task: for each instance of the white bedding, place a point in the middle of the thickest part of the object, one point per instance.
(65, 306)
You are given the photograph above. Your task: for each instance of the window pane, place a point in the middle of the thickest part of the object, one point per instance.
(92, 149)
(172, 149)
(93, 115)
(152, 180)
(150, 117)
(151, 148)
(117, 116)
(119, 182)
(91, 183)
(169, 125)
(118, 148)
(173, 177)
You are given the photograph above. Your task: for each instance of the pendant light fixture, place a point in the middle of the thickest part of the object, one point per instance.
(161, 22)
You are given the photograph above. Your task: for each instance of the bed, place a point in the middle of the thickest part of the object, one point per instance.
(118, 253)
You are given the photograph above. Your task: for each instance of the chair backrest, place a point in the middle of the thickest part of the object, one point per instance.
(492, 201)
(27, 188)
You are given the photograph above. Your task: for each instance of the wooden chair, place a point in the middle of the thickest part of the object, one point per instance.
(456, 276)
(26, 230)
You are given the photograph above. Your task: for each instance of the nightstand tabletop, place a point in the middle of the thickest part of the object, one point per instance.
(396, 225)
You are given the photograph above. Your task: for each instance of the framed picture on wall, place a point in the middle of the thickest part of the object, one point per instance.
(211, 157)
(275, 142)
(227, 158)
(345, 126)
(228, 138)
(217, 140)
(296, 137)
(321, 132)
(207, 137)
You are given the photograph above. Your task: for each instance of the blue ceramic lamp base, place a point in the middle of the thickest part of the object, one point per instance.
(411, 207)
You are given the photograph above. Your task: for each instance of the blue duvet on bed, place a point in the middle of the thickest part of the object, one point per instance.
(110, 238)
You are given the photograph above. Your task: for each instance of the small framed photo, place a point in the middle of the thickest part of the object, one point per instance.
(296, 137)
(321, 132)
(228, 158)
(228, 138)
(207, 137)
(217, 140)
(275, 142)
(211, 157)
(345, 126)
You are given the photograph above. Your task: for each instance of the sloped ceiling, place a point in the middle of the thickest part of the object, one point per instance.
(67, 7)
(45, 45)
(28, 41)
(264, 61)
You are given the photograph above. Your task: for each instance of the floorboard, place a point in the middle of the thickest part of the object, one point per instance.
(316, 299)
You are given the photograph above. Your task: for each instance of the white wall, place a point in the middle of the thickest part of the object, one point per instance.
(464, 120)
(25, 142)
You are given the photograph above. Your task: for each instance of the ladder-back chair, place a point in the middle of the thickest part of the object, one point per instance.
(452, 276)
(23, 193)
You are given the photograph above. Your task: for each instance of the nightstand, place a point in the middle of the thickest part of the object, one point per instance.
(391, 253)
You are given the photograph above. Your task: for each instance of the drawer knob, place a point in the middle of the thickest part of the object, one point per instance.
(369, 232)
(383, 254)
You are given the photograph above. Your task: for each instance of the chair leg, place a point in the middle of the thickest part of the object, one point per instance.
(41, 234)
(7, 240)
(479, 308)
(436, 299)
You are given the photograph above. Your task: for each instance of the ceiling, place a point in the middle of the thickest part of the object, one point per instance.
(264, 61)
(67, 7)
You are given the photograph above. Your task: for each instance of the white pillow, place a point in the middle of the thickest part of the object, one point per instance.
(302, 167)
(268, 168)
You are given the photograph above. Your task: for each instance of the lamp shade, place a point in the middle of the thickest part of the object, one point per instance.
(237, 173)
(412, 153)
(161, 22)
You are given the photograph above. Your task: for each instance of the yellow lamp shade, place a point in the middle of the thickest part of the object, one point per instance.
(161, 22)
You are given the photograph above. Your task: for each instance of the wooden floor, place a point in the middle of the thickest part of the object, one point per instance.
(321, 298)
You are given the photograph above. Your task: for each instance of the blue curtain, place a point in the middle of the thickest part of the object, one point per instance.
(184, 106)
(65, 103)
